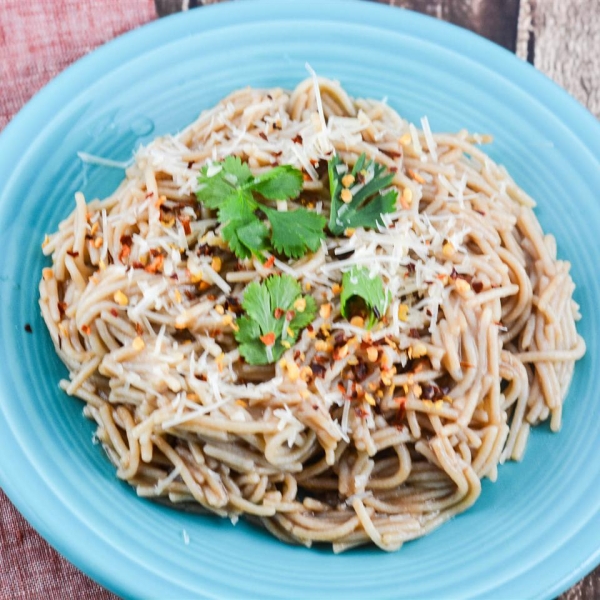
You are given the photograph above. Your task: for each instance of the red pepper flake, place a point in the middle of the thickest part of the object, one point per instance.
(263, 135)
(477, 286)
(278, 313)
(149, 194)
(185, 223)
(139, 329)
(156, 265)
(297, 139)
(137, 265)
(86, 329)
(270, 262)
(480, 212)
(289, 315)
(466, 365)
(392, 154)
(72, 253)
(114, 312)
(414, 333)
(318, 370)
(268, 339)
(62, 307)
(361, 371)
(125, 252)
(341, 388)
(401, 412)
(361, 413)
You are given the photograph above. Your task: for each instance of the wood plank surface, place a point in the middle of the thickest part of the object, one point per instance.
(562, 39)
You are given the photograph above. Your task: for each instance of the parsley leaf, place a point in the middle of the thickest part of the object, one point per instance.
(276, 311)
(367, 204)
(293, 232)
(364, 294)
(230, 189)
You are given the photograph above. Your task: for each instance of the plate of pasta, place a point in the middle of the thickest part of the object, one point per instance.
(311, 317)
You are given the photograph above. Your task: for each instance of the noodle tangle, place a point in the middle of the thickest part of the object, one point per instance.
(354, 436)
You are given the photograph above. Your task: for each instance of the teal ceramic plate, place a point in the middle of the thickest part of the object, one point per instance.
(532, 534)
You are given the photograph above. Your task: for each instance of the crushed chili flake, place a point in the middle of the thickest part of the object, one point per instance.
(86, 329)
(73, 253)
(185, 223)
(114, 312)
(156, 265)
(297, 139)
(318, 370)
(278, 313)
(62, 307)
(270, 262)
(477, 286)
(268, 339)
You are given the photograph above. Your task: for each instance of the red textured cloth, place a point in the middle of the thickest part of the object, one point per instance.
(38, 40)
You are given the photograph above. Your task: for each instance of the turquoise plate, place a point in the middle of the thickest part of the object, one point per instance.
(532, 534)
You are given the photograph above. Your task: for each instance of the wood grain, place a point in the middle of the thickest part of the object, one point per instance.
(562, 39)
(493, 19)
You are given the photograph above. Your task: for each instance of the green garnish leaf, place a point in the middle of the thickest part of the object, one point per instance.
(240, 224)
(295, 232)
(281, 183)
(276, 311)
(363, 295)
(217, 188)
(231, 187)
(368, 203)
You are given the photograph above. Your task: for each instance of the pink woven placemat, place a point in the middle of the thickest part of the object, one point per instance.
(38, 40)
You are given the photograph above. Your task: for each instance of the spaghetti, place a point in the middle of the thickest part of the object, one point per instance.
(354, 435)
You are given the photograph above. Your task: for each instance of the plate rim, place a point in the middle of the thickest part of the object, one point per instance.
(135, 43)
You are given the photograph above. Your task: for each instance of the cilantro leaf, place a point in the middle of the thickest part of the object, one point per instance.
(218, 188)
(295, 232)
(364, 294)
(273, 318)
(236, 213)
(368, 203)
(254, 236)
(280, 183)
(231, 187)
(233, 167)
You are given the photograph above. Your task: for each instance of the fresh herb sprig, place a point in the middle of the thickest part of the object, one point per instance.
(364, 294)
(230, 188)
(358, 197)
(276, 311)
